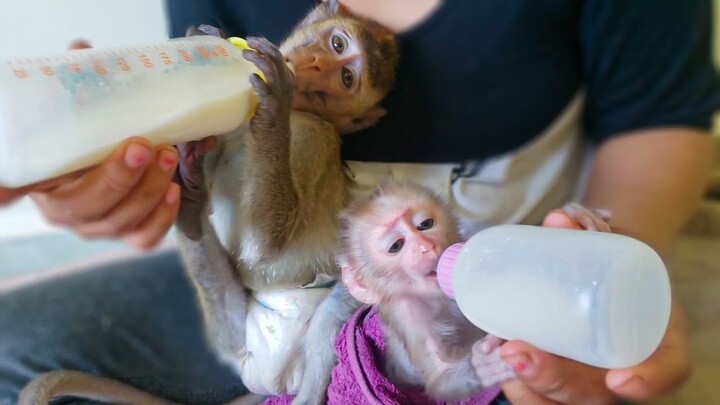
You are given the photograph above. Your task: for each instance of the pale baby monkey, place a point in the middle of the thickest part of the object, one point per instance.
(389, 247)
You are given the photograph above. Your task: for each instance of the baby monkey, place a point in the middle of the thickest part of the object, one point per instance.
(389, 247)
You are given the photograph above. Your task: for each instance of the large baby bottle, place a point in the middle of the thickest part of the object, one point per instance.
(599, 298)
(66, 112)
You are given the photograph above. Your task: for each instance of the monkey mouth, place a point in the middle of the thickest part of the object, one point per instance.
(432, 276)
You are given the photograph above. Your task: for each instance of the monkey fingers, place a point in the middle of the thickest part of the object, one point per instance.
(190, 169)
(489, 366)
(589, 219)
(268, 58)
(490, 343)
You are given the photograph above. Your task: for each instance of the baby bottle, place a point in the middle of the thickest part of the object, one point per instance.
(598, 298)
(66, 112)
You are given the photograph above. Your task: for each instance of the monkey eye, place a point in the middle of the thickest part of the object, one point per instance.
(348, 77)
(426, 224)
(396, 246)
(338, 44)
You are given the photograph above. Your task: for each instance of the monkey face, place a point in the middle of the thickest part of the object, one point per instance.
(409, 239)
(333, 77)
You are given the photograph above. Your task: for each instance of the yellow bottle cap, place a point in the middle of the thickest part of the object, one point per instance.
(242, 44)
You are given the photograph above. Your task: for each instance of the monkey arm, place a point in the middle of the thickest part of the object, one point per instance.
(452, 380)
(319, 348)
(221, 295)
(293, 160)
(268, 176)
(222, 298)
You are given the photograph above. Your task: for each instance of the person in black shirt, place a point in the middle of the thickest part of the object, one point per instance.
(497, 104)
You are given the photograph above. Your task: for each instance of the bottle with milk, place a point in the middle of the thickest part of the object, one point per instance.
(598, 298)
(66, 112)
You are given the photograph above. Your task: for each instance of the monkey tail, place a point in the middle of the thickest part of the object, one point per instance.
(47, 386)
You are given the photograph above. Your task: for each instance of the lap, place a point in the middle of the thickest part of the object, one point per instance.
(134, 320)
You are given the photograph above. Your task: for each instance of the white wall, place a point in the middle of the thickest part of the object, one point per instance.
(39, 27)
(32, 27)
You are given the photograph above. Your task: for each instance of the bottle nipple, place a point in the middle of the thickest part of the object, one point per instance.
(446, 266)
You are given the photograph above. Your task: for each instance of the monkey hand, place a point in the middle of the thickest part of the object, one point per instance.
(190, 176)
(575, 215)
(486, 361)
(275, 95)
(204, 29)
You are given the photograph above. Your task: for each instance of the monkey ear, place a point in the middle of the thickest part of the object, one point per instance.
(357, 288)
(334, 7)
(367, 119)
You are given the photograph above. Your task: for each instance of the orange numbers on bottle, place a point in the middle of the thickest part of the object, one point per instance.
(123, 64)
(47, 70)
(74, 67)
(99, 68)
(221, 49)
(185, 55)
(20, 73)
(166, 58)
(203, 52)
(146, 61)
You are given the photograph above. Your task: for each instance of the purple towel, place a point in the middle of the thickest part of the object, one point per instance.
(357, 379)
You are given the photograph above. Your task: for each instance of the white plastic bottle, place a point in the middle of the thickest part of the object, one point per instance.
(66, 112)
(598, 298)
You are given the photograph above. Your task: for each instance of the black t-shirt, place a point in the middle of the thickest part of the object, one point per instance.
(478, 78)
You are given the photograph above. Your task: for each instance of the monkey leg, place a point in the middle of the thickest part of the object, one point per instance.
(319, 347)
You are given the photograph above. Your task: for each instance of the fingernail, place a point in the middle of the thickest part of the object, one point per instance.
(173, 194)
(167, 160)
(521, 364)
(615, 381)
(137, 155)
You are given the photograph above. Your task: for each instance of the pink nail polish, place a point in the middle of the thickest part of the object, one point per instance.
(136, 156)
(522, 364)
(166, 160)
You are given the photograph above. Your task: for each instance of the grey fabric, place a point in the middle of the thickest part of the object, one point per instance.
(134, 320)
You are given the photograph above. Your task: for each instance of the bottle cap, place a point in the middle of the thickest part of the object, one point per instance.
(242, 44)
(445, 268)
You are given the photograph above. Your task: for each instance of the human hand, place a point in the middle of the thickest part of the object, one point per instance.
(544, 378)
(129, 196)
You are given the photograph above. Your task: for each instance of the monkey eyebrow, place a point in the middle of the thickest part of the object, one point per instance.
(389, 225)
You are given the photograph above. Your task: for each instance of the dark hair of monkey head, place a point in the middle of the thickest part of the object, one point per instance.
(383, 58)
